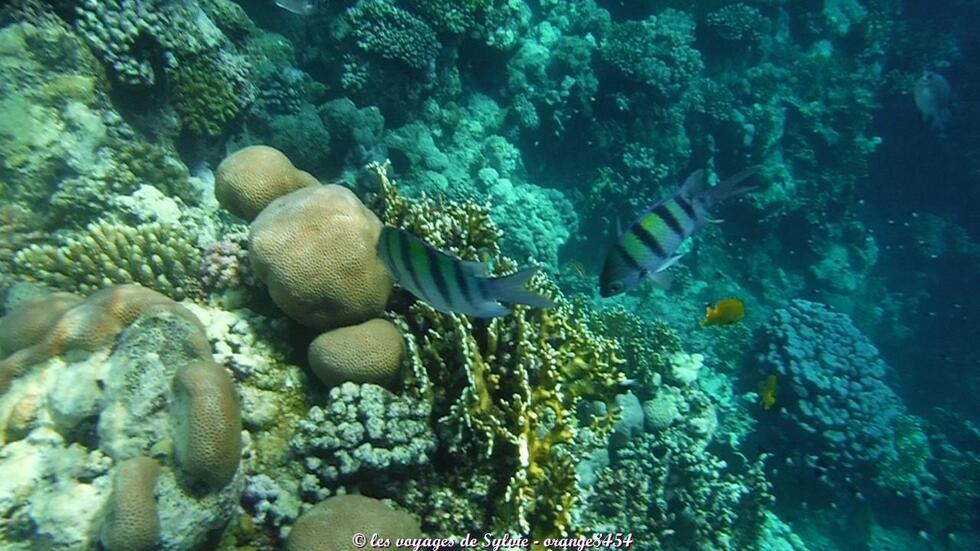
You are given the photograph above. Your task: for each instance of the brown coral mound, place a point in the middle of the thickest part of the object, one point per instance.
(370, 352)
(331, 525)
(85, 326)
(252, 177)
(315, 250)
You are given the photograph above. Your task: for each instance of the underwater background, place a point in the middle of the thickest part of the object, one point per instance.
(211, 340)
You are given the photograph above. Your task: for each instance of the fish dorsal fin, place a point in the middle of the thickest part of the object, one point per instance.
(694, 184)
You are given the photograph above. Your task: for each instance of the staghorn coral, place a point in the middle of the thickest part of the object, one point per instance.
(506, 392)
(157, 256)
(384, 29)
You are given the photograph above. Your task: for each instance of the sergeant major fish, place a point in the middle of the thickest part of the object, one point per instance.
(648, 246)
(450, 284)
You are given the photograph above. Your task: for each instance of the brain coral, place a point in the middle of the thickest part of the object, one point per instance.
(250, 178)
(86, 326)
(132, 522)
(207, 435)
(315, 249)
(370, 352)
(331, 524)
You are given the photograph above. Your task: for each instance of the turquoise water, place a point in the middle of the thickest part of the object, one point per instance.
(672, 275)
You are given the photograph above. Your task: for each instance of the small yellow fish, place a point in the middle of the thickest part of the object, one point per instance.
(724, 312)
(769, 392)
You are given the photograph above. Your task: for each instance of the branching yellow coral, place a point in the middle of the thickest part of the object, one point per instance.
(506, 391)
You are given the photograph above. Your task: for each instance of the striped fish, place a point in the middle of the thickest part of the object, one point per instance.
(649, 245)
(449, 284)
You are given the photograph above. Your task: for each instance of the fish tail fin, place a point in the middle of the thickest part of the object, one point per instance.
(728, 188)
(512, 289)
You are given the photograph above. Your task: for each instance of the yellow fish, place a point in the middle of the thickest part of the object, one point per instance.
(769, 392)
(724, 312)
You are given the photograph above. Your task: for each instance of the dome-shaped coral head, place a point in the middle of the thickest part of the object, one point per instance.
(932, 95)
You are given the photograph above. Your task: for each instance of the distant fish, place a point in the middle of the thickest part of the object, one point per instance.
(932, 97)
(449, 284)
(724, 312)
(577, 267)
(299, 7)
(769, 392)
(647, 247)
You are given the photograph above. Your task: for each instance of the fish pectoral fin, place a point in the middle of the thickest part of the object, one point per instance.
(670, 262)
(662, 279)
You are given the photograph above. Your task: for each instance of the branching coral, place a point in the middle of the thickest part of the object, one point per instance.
(157, 256)
(657, 51)
(385, 30)
(507, 391)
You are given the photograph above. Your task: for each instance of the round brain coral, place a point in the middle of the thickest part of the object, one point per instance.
(252, 177)
(370, 352)
(331, 525)
(315, 249)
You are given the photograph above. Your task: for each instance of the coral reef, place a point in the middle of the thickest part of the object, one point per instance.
(516, 383)
(837, 408)
(87, 426)
(383, 29)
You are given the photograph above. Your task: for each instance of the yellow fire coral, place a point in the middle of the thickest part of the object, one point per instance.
(508, 390)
